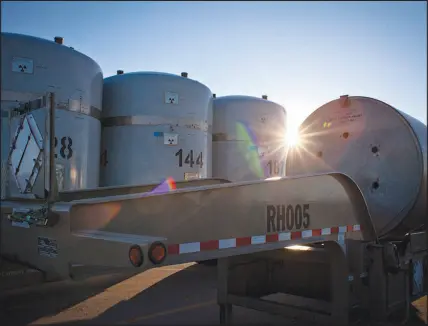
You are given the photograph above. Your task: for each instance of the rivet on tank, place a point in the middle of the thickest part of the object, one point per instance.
(31, 67)
(248, 138)
(381, 148)
(155, 125)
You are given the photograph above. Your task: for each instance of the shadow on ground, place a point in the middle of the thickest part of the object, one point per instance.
(170, 295)
(24, 305)
(413, 321)
(50, 301)
(166, 297)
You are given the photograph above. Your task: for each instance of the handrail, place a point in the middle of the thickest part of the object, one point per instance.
(53, 190)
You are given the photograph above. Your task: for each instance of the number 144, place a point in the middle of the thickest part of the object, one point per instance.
(189, 158)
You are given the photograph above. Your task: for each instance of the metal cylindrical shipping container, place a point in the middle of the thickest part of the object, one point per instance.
(31, 67)
(155, 125)
(383, 149)
(248, 138)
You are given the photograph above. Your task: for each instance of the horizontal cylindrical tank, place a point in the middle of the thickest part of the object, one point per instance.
(155, 125)
(248, 138)
(381, 148)
(32, 66)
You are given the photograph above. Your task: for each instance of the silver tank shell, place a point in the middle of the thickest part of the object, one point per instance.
(383, 149)
(32, 66)
(248, 138)
(155, 125)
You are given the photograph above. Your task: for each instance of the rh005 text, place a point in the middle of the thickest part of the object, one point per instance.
(281, 218)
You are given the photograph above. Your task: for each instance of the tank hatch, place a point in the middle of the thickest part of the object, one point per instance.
(26, 153)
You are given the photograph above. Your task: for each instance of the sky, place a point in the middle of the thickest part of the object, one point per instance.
(301, 54)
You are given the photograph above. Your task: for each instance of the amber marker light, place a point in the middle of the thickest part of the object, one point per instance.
(136, 256)
(157, 253)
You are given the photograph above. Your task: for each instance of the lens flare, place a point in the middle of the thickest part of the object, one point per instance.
(165, 186)
(248, 147)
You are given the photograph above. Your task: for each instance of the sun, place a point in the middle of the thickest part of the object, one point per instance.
(292, 137)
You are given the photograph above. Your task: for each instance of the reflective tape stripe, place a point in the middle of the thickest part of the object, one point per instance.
(185, 248)
(284, 236)
(260, 239)
(227, 243)
(326, 231)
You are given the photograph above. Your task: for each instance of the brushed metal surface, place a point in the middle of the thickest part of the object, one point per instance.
(378, 146)
(156, 125)
(249, 140)
(226, 210)
(77, 82)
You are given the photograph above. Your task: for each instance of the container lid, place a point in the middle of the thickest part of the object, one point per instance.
(372, 143)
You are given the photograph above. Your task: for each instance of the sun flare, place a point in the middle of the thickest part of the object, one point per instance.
(292, 137)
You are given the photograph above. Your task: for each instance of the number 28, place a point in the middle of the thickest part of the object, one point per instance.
(66, 151)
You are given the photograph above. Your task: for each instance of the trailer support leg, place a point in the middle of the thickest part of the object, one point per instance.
(339, 284)
(377, 285)
(225, 314)
(408, 301)
(222, 290)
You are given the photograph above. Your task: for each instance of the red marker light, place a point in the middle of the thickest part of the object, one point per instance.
(136, 256)
(157, 253)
